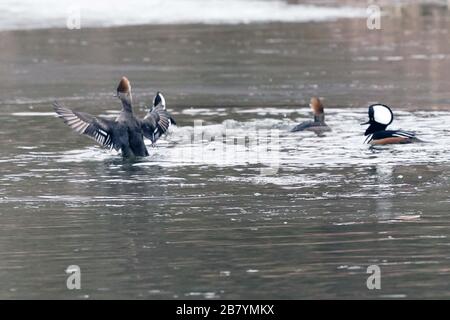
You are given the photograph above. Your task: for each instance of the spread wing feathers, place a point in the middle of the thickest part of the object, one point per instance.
(97, 129)
(156, 123)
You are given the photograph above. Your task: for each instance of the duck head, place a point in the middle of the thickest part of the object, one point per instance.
(317, 109)
(124, 91)
(380, 116)
(159, 100)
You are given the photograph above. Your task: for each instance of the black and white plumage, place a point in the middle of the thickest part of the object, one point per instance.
(99, 129)
(380, 117)
(158, 120)
(159, 100)
(124, 133)
(391, 136)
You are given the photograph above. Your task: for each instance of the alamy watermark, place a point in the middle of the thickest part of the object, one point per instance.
(74, 279)
(73, 21)
(373, 17)
(374, 280)
(232, 146)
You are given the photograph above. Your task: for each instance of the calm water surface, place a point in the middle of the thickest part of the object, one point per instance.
(195, 221)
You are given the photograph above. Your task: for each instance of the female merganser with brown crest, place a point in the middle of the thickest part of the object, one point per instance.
(318, 125)
(380, 117)
(125, 133)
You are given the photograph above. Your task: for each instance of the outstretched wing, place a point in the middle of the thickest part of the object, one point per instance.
(156, 123)
(98, 129)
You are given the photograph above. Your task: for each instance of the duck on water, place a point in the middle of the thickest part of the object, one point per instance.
(380, 117)
(318, 125)
(125, 133)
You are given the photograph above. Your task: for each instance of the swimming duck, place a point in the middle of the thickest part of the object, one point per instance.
(158, 120)
(380, 117)
(318, 125)
(125, 133)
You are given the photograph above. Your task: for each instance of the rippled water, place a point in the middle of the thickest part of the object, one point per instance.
(299, 216)
(332, 207)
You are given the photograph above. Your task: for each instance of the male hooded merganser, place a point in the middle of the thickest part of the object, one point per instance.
(125, 133)
(158, 120)
(318, 125)
(380, 117)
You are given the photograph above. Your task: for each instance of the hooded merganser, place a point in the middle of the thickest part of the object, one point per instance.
(158, 120)
(380, 117)
(318, 125)
(124, 133)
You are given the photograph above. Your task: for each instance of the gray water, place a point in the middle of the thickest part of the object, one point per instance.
(191, 221)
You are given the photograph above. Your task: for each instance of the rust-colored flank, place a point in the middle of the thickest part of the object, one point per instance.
(390, 140)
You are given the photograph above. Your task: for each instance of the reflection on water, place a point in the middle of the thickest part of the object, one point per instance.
(188, 222)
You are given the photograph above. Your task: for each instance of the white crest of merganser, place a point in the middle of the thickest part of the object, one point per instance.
(381, 114)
